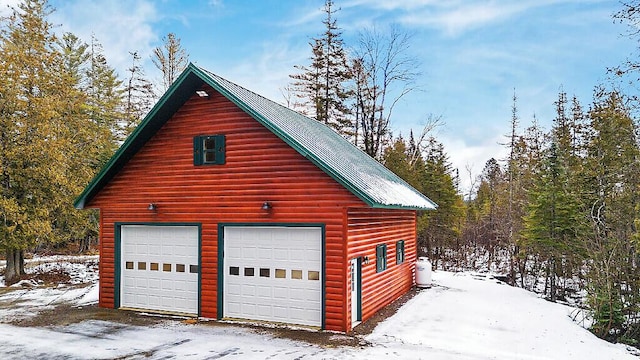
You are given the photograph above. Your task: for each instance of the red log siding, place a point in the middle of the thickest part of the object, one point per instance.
(259, 167)
(370, 227)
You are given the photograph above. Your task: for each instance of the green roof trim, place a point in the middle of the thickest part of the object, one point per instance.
(348, 165)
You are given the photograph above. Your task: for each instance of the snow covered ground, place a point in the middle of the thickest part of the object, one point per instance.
(463, 317)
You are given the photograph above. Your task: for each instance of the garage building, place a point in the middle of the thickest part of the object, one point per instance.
(223, 204)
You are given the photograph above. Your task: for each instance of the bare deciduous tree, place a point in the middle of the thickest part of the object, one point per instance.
(170, 58)
(384, 72)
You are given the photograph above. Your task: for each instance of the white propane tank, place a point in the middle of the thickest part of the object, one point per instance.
(423, 272)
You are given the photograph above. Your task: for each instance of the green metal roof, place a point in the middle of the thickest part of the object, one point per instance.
(355, 170)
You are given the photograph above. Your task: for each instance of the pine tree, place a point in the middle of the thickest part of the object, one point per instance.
(106, 103)
(613, 175)
(440, 229)
(94, 116)
(322, 85)
(554, 222)
(397, 159)
(36, 133)
(516, 193)
(139, 95)
(48, 138)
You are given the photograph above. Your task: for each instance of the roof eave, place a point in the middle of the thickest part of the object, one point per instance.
(403, 207)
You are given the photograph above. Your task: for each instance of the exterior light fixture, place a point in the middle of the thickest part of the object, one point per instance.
(152, 207)
(202, 94)
(365, 260)
(267, 206)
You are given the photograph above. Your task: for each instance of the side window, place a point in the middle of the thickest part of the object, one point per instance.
(400, 252)
(209, 150)
(381, 257)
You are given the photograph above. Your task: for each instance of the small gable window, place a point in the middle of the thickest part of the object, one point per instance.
(400, 252)
(209, 150)
(381, 257)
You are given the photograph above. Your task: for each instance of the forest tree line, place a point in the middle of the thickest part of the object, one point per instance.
(559, 215)
(63, 113)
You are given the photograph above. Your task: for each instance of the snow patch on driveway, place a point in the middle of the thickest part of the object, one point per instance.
(462, 317)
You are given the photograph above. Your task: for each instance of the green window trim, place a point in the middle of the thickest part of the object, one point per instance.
(381, 258)
(399, 252)
(209, 150)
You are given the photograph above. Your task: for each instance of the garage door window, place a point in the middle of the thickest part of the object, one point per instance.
(314, 275)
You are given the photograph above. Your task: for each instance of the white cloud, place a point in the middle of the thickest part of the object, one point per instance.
(458, 19)
(216, 3)
(267, 72)
(6, 5)
(392, 5)
(470, 159)
(452, 17)
(121, 26)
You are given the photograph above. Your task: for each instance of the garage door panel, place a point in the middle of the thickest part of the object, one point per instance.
(273, 266)
(281, 254)
(248, 290)
(249, 253)
(156, 264)
(265, 253)
(154, 284)
(264, 292)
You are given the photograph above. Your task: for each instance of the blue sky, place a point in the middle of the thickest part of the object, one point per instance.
(473, 53)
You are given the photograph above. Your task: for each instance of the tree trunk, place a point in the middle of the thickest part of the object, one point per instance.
(15, 266)
(552, 278)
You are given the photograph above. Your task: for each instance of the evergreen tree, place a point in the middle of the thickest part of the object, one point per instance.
(139, 95)
(95, 114)
(36, 132)
(516, 193)
(612, 174)
(554, 222)
(396, 158)
(491, 212)
(106, 103)
(440, 229)
(322, 85)
(48, 138)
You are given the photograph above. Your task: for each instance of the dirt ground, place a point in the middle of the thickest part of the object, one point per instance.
(65, 314)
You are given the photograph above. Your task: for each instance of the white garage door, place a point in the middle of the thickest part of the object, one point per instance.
(159, 268)
(273, 274)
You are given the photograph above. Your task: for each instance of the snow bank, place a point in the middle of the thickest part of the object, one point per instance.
(469, 316)
(462, 317)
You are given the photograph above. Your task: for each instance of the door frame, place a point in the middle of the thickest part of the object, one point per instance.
(221, 226)
(117, 257)
(355, 264)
